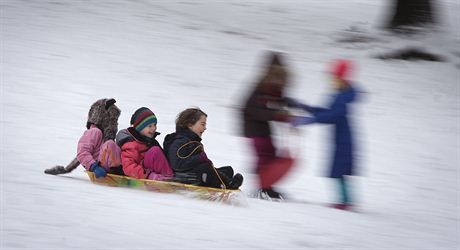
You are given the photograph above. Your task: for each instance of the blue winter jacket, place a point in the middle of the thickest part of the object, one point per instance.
(336, 114)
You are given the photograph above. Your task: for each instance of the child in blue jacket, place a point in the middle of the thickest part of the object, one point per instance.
(336, 114)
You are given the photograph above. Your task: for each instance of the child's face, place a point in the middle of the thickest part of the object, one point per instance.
(149, 131)
(199, 127)
(337, 83)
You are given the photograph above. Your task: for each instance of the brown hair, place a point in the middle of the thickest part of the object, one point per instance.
(188, 117)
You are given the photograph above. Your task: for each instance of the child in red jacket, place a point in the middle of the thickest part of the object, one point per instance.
(141, 155)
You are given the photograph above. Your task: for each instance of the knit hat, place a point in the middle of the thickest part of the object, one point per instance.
(104, 114)
(341, 69)
(142, 118)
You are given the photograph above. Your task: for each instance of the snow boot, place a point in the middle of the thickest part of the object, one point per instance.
(226, 170)
(236, 181)
(342, 206)
(269, 194)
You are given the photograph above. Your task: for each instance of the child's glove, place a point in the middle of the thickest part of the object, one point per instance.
(97, 170)
(301, 120)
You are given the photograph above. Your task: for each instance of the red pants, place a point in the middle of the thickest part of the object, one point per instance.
(270, 167)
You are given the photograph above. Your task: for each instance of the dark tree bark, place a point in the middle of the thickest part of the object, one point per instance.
(411, 13)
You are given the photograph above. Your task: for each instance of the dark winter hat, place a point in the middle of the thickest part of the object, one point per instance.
(341, 68)
(142, 118)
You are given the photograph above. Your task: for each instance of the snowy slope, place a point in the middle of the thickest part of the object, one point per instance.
(57, 57)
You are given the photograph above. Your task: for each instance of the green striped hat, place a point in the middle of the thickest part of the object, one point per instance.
(142, 118)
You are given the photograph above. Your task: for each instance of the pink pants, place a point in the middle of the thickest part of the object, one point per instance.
(156, 162)
(110, 155)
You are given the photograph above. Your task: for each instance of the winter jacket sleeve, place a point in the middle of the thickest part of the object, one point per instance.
(87, 145)
(259, 108)
(131, 160)
(330, 115)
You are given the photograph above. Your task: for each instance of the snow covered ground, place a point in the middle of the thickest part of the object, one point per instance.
(58, 57)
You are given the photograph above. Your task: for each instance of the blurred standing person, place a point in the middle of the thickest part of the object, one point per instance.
(336, 114)
(264, 105)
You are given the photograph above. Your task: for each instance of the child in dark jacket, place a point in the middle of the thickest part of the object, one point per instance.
(141, 154)
(186, 154)
(265, 105)
(336, 114)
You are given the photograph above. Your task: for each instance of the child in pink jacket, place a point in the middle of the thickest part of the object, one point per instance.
(96, 149)
(141, 155)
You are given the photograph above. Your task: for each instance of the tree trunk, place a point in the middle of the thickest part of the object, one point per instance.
(411, 13)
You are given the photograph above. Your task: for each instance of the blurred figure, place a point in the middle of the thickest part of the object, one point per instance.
(96, 150)
(264, 105)
(141, 155)
(406, 16)
(337, 115)
(187, 157)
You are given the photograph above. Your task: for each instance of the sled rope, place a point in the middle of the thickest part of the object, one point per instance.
(224, 187)
(193, 151)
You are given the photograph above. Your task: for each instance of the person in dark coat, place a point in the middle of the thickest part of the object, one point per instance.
(187, 157)
(265, 105)
(336, 114)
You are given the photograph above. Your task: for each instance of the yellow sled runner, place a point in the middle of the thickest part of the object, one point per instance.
(227, 196)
